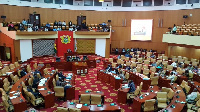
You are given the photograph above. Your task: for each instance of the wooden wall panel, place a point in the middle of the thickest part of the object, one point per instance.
(86, 45)
(121, 35)
(17, 49)
(107, 52)
(8, 42)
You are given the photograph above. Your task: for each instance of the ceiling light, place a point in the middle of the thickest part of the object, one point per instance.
(101, 0)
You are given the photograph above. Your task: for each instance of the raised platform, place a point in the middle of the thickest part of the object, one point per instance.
(91, 33)
(181, 39)
(36, 33)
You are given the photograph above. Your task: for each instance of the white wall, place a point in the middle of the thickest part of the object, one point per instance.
(26, 49)
(100, 47)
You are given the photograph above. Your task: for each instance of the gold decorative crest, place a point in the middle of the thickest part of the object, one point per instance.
(65, 39)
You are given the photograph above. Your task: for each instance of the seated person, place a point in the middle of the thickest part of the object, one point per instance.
(30, 29)
(123, 51)
(128, 68)
(119, 57)
(24, 22)
(11, 27)
(64, 23)
(119, 66)
(174, 64)
(121, 75)
(180, 65)
(62, 83)
(48, 25)
(152, 56)
(109, 68)
(134, 70)
(132, 50)
(85, 58)
(55, 23)
(59, 23)
(23, 73)
(132, 86)
(54, 29)
(186, 72)
(172, 77)
(191, 97)
(161, 65)
(116, 51)
(60, 75)
(195, 69)
(29, 89)
(37, 71)
(154, 64)
(69, 58)
(127, 50)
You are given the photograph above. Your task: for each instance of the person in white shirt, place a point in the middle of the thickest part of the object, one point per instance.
(64, 23)
(174, 64)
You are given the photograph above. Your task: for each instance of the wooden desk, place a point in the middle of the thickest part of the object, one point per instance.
(94, 108)
(137, 102)
(79, 68)
(108, 78)
(48, 95)
(164, 82)
(196, 77)
(122, 95)
(193, 85)
(93, 93)
(137, 79)
(182, 97)
(20, 103)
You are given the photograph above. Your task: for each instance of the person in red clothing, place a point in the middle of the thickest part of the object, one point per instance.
(11, 27)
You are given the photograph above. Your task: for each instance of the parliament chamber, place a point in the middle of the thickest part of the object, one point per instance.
(99, 56)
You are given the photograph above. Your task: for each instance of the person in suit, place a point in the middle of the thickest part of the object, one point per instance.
(132, 86)
(60, 75)
(174, 29)
(29, 89)
(55, 23)
(109, 68)
(23, 73)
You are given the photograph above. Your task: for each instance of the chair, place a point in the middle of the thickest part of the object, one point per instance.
(62, 109)
(12, 66)
(45, 71)
(162, 99)
(5, 81)
(7, 68)
(128, 63)
(139, 65)
(16, 78)
(133, 59)
(114, 65)
(146, 72)
(12, 77)
(1, 64)
(140, 87)
(59, 91)
(74, 110)
(35, 66)
(23, 85)
(85, 98)
(138, 69)
(135, 94)
(140, 60)
(191, 74)
(154, 80)
(26, 94)
(6, 87)
(38, 75)
(149, 105)
(153, 69)
(30, 82)
(16, 64)
(174, 59)
(187, 88)
(183, 83)
(19, 72)
(127, 59)
(170, 94)
(169, 67)
(145, 67)
(54, 82)
(146, 61)
(111, 60)
(8, 107)
(165, 58)
(164, 89)
(133, 64)
(35, 101)
(96, 99)
(127, 76)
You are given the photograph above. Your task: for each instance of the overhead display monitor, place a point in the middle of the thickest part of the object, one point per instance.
(141, 29)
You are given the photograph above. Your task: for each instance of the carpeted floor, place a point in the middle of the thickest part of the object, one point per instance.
(88, 82)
